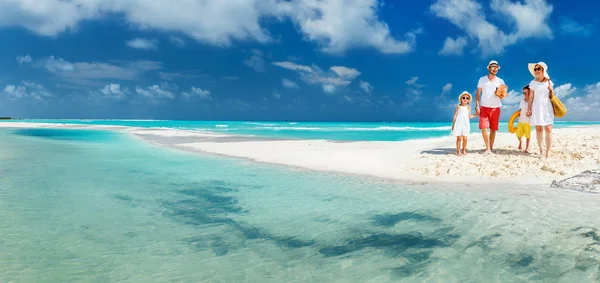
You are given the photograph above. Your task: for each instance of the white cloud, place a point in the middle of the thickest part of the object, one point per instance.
(335, 26)
(454, 46)
(292, 66)
(195, 91)
(27, 89)
(528, 20)
(113, 91)
(84, 73)
(341, 25)
(329, 88)
(511, 100)
(289, 83)
(24, 59)
(345, 73)
(413, 82)
(570, 26)
(154, 92)
(256, 61)
(564, 90)
(446, 88)
(331, 80)
(366, 86)
(584, 107)
(142, 43)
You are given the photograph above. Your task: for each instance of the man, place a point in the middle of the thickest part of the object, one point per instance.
(488, 105)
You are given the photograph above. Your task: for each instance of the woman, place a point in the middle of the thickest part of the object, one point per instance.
(540, 107)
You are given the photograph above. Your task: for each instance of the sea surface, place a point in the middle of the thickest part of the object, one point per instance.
(101, 206)
(397, 131)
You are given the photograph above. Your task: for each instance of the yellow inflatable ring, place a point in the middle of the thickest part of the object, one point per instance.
(511, 121)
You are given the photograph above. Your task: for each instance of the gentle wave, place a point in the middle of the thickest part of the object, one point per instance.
(383, 128)
(259, 124)
(222, 126)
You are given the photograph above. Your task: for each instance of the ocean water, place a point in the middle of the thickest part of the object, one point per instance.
(306, 130)
(99, 206)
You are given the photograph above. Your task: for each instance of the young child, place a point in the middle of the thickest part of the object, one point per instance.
(523, 126)
(461, 125)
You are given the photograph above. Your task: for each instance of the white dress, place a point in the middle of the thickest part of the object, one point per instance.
(542, 112)
(462, 126)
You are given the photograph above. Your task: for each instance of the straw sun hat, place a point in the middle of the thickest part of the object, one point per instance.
(531, 66)
(463, 93)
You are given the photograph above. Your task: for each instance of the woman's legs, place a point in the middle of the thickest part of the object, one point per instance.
(548, 130)
(538, 135)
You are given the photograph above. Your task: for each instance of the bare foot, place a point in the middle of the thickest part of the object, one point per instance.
(464, 152)
(488, 152)
(527, 150)
(459, 154)
(520, 147)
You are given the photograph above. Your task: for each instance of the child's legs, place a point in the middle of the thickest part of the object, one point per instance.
(527, 134)
(464, 143)
(458, 142)
(520, 133)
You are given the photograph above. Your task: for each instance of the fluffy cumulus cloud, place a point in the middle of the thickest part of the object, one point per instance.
(142, 43)
(366, 86)
(454, 46)
(154, 92)
(446, 88)
(27, 89)
(91, 73)
(112, 91)
(565, 90)
(527, 20)
(585, 106)
(196, 92)
(331, 80)
(341, 25)
(334, 25)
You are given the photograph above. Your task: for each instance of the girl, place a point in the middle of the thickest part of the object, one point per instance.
(461, 126)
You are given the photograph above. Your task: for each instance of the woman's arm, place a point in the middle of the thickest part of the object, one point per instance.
(530, 102)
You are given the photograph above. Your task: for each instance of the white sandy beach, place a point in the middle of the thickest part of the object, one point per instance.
(575, 150)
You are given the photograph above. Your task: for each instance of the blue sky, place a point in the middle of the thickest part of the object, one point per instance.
(361, 60)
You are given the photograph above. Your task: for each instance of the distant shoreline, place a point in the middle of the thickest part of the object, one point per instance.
(427, 160)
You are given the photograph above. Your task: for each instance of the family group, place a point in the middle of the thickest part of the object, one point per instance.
(536, 109)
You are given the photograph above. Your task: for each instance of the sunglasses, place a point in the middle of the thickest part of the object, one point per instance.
(465, 98)
(537, 69)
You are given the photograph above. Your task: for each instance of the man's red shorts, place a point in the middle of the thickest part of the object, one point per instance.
(489, 117)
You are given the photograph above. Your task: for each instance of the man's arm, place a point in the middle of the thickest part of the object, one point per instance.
(477, 98)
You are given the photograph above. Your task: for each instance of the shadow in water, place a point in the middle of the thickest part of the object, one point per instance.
(212, 205)
(207, 205)
(389, 220)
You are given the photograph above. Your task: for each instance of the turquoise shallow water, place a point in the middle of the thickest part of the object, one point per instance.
(95, 206)
(306, 130)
